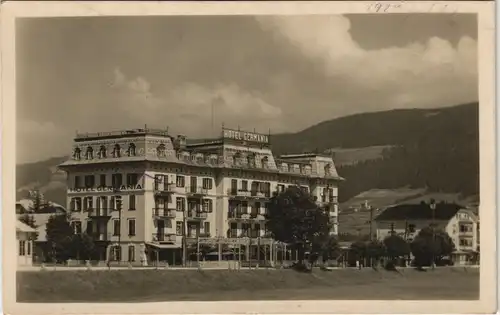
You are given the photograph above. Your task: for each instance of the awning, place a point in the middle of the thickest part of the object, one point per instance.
(163, 246)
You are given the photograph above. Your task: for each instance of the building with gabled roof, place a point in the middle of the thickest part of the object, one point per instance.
(406, 220)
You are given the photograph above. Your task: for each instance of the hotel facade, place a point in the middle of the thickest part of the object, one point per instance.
(141, 191)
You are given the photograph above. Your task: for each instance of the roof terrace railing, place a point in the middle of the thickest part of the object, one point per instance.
(163, 132)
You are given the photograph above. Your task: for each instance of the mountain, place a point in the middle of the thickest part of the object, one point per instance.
(432, 149)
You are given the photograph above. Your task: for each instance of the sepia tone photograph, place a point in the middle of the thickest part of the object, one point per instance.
(256, 157)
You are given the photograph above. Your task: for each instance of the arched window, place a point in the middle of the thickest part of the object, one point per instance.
(328, 168)
(116, 151)
(102, 152)
(236, 158)
(77, 154)
(160, 150)
(251, 160)
(89, 153)
(131, 149)
(265, 162)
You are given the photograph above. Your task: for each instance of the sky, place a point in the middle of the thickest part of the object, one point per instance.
(277, 73)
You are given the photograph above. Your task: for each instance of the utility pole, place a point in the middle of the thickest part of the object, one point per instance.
(433, 208)
(184, 235)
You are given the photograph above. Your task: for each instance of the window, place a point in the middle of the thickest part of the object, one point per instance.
(89, 154)
(233, 230)
(102, 152)
(178, 228)
(116, 253)
(132, 179)
(207, 205)
(265, 162)
(206, 227)
(28, 248)
(102, 180)
(22, 248)
(131, 227)
(245, 229)
(131, 202)
(89, 181)
(131, 150)
(234, 185)
(77, 154)
(179, 181)
(116, 227)
(131, 253)
(244, 185)
(180, 204)
(116, 180)
(256, 230)
(328, 169)
(76, 204)
(77, 227)
(281, 188)
(78, 182)
(88, 203)
(160, 150)
(251, 160)
(117, 151)
(207, 183)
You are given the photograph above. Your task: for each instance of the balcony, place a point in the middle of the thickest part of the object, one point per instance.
(238, 194)
(163, 190)
(196, 191)
(163, 237)
(100, 237)
(245, 216)
(196, 215)
(161, 214)
(259, 194)
(102, 213)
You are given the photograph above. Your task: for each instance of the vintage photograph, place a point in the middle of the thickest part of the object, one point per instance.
(247, 158)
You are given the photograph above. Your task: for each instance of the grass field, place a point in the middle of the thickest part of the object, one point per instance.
(191, 285)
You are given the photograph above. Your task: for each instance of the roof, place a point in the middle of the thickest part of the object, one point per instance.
(53, 207)
(23, 227)
(421, 211)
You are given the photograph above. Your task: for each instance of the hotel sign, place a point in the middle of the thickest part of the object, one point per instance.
(105, 188)
(245, 136)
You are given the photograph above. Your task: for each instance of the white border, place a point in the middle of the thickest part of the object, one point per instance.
(485, 11)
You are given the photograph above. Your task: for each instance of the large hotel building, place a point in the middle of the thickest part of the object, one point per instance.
(142, 189)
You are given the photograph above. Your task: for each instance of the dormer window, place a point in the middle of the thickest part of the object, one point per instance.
(160, 150)
(131, 149)
(77, 154)
(102, 152)
(89, 154)
(117, 151)
(236, 158)
(251, 160)
(328, 169)
(265, 162)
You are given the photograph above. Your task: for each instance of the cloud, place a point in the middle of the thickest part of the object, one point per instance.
(434, 67)
(190, 104)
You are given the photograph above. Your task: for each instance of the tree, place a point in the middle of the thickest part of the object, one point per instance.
(82, 246)
(294, 218)
(375, 250)
(60, 238)
(325, 246)
(357, 251)
(38, 200)
(431, 245)
(396, 246)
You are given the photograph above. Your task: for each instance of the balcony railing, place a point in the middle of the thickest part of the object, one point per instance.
(232, 192)
(100, 237)
(164, 237)
(196, 215)
(196, 191)
(103, 213)
(164, 213)
(163, 188)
